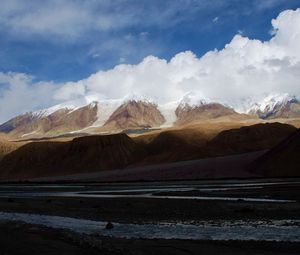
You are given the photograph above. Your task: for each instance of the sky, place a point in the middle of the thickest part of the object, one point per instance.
(53, 51)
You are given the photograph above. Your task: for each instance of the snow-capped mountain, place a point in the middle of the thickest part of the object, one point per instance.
(134, 114)
(277, 106)
(194, 107)
(52, 121)
(91, 114)
(193, 99)
(131, 112)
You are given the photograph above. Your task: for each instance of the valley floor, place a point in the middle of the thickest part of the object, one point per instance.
(212, 213)
(20, 238)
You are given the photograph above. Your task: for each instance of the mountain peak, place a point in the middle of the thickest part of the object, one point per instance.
(270, 102)
(193, 99)
(137, 98)
(274, 105)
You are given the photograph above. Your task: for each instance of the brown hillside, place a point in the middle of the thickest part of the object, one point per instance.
(17, 122)
(187, 114)
(59, 122)
(133, 115)
(6, 146)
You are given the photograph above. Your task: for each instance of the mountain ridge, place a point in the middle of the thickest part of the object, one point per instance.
(139, 112)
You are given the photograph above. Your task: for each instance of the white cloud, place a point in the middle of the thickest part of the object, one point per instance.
(20, 94)
(70, 91)
(64, 19)
(68, 19)
(245, 68)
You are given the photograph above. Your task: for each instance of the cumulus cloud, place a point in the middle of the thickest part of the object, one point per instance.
(20, 94)
(245, 68)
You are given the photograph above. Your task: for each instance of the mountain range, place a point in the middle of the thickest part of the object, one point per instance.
(138, 112)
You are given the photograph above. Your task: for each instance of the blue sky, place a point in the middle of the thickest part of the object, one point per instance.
(69, 40)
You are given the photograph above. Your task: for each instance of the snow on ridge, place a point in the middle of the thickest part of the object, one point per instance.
(90, 105)
(49, 111)
(106, 107)
(138, 98)
(69, 105)
(46, 112)
(194, 99)
(269, 103)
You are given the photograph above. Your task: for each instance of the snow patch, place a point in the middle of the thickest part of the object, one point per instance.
(168, 111)
(27, 134)
(105, 110)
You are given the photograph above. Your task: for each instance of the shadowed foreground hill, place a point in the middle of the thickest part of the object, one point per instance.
(281, 161)
(249, 138)
(189, 144)
(175, 145)
(97, 153)
(91, 153)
